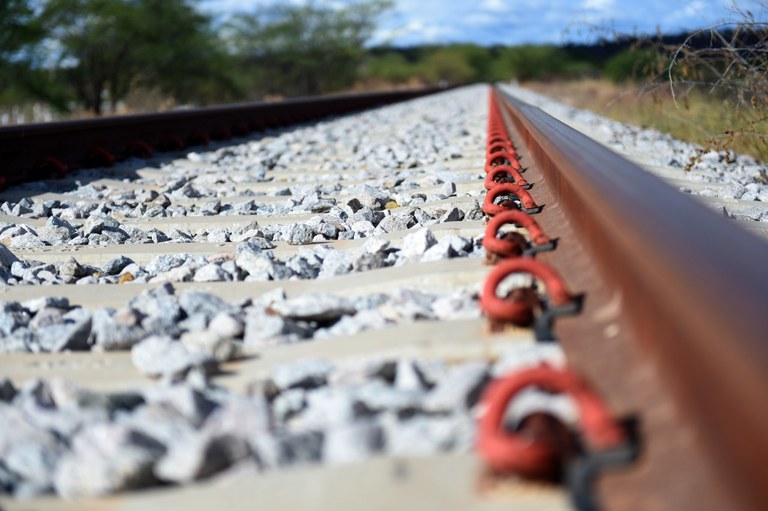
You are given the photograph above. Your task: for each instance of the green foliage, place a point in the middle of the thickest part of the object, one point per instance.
(390, 67)
(631, 64)
(107, 47)
(537, 62)
(448, 65)
(19, 32)
(306, 49)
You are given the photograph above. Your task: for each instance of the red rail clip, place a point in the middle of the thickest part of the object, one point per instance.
(506, 247)
(502, 189)
(504, 174)
(99, 157)
(519, 312)
(507, 452)
(139, 148)
(57, 168)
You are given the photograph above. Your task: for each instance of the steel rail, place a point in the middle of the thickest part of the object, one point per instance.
(687, 286)
(24, 147)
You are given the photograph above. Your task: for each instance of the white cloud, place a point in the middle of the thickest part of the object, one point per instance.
(518, 21)
(498, 6)
(598, 5)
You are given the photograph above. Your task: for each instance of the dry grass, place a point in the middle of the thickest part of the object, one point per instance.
(712, 122)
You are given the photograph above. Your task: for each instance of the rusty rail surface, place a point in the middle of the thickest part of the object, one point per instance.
(36, 151)
(687, 287)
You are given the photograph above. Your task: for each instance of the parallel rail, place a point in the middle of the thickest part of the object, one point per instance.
(670, 277)
(38, 151)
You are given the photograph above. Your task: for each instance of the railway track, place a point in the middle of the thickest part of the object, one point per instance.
(302, 308)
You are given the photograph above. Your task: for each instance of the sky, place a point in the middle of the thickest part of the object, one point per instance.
(510, 22)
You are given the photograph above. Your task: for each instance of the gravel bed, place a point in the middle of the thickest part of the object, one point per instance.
(199, 329)
(180, 427)
(743, 178)
(397, 151)
(61, 438)
(253, 260)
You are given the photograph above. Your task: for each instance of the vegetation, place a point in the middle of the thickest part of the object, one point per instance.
(302, 50)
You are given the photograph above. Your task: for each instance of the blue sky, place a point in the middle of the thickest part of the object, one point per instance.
(528, 21)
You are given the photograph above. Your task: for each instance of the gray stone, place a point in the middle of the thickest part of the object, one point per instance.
(421, 436)
(97, 225)
(203, 303)
(64, 337)
(110, 335)
(259, 266)
(475, 212)
(335, 262)
(36, 304)
(732, 191)
(298, 234)
(396, 222)
(747, 213)
(116, 265)
(439, 251)
(302, 268)
(70, 270)
(201, 456)
(107, 458)
(448, 189)
(261, 327)
(33, 463)
(256, 244)
(377, 396)
(164, 263)
(162, 356)
(7, 258)
(452, 215)
(327, 407)
(190, 403)
(370, 261)
(459, 389)
(68, 395)
(288, 404)
(226, 326)
(292, 448)
(352, 443)
(315, 307)
(7, 390)
(210, 344)
(211, 273)
(417, 243)
(409, 378)
(307, 374)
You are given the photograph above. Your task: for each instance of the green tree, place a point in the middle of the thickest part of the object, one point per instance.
(391, 67)
(20, 31)
(307, 49)
(108, 47)
(447, 64)
(631, 64)
(538, 62)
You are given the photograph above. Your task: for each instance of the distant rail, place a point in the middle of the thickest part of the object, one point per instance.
(37, 151)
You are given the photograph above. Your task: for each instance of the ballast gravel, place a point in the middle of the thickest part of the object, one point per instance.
(181, 427)
(64, 439)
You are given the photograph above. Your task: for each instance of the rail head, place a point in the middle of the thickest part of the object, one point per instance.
(69, 143)
(694, 286)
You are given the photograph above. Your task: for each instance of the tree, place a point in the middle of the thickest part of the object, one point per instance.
(447, 65)
(108, 47)
(19, 32)
(307, 49)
